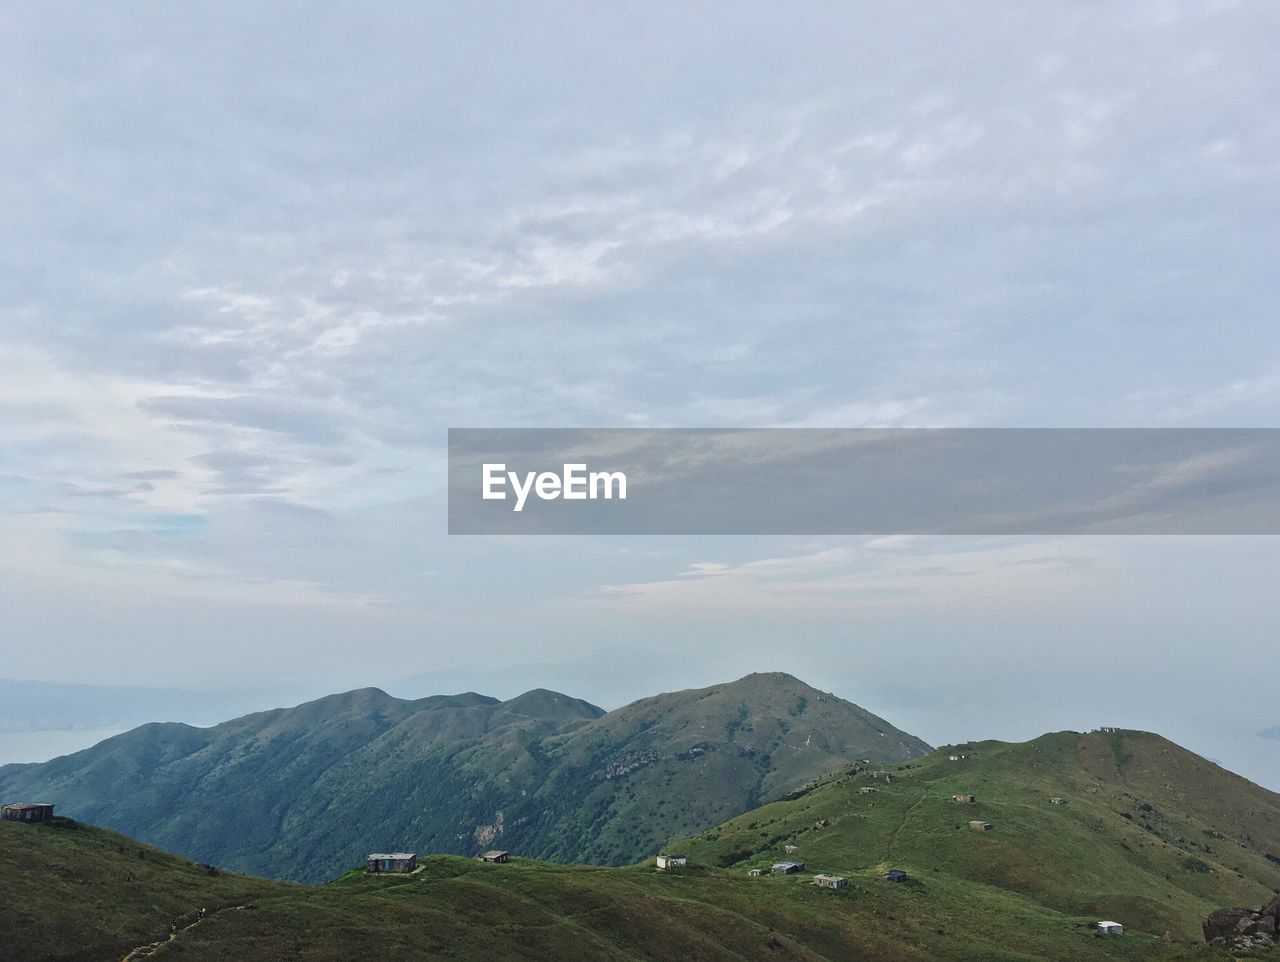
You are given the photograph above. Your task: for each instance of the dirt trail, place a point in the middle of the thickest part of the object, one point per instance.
(893, 836)
(151, 948)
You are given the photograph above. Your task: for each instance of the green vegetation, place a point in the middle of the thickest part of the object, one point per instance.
(77, 892)
(1131, 844)
(1155, 841)
(82, 898)
(304, 793)
(1151, 835)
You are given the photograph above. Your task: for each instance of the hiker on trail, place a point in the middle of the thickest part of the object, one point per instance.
(202, 912)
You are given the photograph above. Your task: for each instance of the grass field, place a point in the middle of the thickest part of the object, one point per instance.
(1150, 835)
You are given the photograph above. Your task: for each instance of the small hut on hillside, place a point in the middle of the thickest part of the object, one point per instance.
(391, 862)
(27, 812)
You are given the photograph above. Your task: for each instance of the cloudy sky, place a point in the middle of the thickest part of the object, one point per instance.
(259, 258)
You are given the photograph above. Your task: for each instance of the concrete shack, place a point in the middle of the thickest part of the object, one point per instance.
(978, 825)
(1111, 928)
(391, 862)
(868, 790)
(896, 875)
(964, 799)
(787, 868)
(496, 855)
(831, 881)
(27, 812)
(667, 862)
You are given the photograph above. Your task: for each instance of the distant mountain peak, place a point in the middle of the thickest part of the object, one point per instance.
(356, 697)
(780, 679)
(546, 704)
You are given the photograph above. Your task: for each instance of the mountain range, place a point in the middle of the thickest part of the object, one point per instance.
(303, 793)
(1077, 828)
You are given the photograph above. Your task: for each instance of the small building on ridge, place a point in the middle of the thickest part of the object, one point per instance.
(28, 812)
(391, 862)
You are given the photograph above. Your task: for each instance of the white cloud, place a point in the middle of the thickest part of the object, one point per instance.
(937, 574)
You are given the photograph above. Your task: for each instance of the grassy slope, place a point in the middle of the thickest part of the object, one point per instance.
(87, 894)
(1031, 889)
(460, 910)
(75, 891)
(1194, 839)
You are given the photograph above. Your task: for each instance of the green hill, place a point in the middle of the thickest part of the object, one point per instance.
(76, 893)
(305, 792)
(80, 893)
(1149, 834)
(1143, 832)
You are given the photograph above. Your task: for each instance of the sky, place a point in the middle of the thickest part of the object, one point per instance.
(259, 258)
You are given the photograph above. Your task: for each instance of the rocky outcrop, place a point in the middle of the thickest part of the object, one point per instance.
(487, 834)
(1222, 923)
(629, 762)
(1245, 931)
